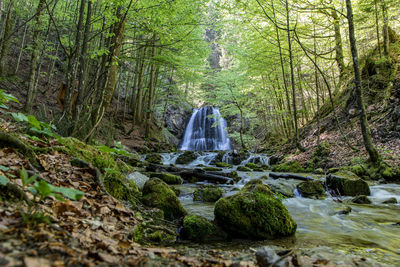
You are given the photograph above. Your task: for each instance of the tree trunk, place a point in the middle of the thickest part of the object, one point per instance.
(5, 40)
(366, 132)
(21, 49)
(149, 111)
(34, 58)
(338, 43)
(386, 41)
(377, 27)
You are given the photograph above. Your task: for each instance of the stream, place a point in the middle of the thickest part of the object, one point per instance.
(370, 231)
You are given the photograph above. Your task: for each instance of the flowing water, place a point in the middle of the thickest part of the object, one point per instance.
(371, 231)
(206, 131)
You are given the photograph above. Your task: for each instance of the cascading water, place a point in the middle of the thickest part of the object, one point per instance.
(206, 131)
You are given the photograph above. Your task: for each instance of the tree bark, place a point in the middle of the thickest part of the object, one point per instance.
(366, 132)
(386, 41)
(149, 112)
(5, 40)
(34, 58)
(338, 43)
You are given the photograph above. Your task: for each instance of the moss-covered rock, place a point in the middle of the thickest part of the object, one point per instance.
(148, 234)
(311, 189)
(176, 190)
(346, 183)
(243, 169)
(207, 193)
(223, 165)
(391, 200)
(212, 169)
(254, 213)
(154, 158)
(100, 159)
(121, 188)
(234, 175)
(362, 199)
(197, 228)
(288, 166)
(186, 157)
(167, 177)
(252, 166)
(156, 193)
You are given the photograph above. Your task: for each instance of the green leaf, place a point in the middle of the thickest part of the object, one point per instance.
(19, 117)
(4, 168)
(34, 122)
(4, 180)
(70, 193)
(3, 106)
(43, 188)
(58, 197)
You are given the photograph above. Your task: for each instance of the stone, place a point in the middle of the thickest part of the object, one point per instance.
(267, 257)
(139, 179)
(186, 157)
(254, 213)
(197, 228)
(252, 166)
(167, 177)
(234, 175)
(288, 166)
(154, 158)
(157, 194)
(212, 169)
(347, 184)
(311, 189)
(243, 169)
(391, 200)
(207, 193)
(319, 171)
(361, 199)
(223, 165)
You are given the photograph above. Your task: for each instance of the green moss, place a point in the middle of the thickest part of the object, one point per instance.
(223, 165)
(99, 159)
(167, 177)
(311, 189)
(288, 166)
(207, 193)
(176, 190)
(154, 158)
(197, 228)
(252, 166)
(234, 175)
(186, 157)
(146, 234)
(243, 169)
(254, 213)
(121, 188)
(346, 183)
(212, 169)
(156, 193)
(362, 199)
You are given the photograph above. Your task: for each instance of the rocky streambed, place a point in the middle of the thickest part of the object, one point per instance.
(339, 217)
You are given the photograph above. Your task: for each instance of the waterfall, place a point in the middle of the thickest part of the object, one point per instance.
(206, 131)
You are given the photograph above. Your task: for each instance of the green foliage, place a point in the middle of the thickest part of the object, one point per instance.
(5, 98)
(37, 127)
(288, 166)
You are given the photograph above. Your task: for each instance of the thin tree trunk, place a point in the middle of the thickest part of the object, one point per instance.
(386, 41)
(338, 43)
(21, 50)
(5, 40)
(34, 58)
(149, 112)
(377, 27)
(366, 132)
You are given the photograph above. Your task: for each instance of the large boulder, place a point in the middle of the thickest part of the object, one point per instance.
(186, 157)
(346, 183)
(311, 189)
(154, 158)
(197, 228)
(207, 193)
(169, 178)
(254, 213)
(138, 178)
(157, 194)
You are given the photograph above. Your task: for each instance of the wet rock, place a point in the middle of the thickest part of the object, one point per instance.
(223, 165)
(207, 193)
(186, 157)
(243, 169)
(273, 160)
(252, 166)
(197, 228)
(154, 158)
(311, 189)
(157, 194)
(176, 118)
(234, 175)
(319, 171)
(138, 178)
(267, 257)
(347, 184)
(391, 200)
(254, 213)
(362, 199)
(346, 211)
(212, 169)
(176, 190)
(146, 234)
(167, 177)
(288, 166)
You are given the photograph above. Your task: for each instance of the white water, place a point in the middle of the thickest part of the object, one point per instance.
(206, 131)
